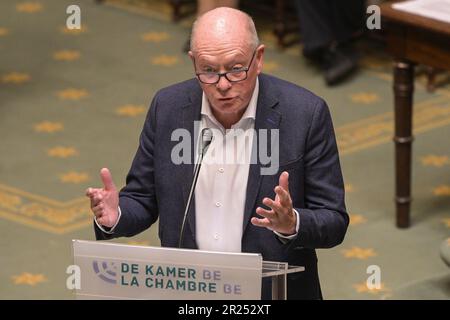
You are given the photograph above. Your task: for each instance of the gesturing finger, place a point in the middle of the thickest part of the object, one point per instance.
(284, 181)
(98, 210)
(107, 180)
(261, 222)
(273, 205)
(266, 213)
(92, 191)
(283, 196)
(96, 199)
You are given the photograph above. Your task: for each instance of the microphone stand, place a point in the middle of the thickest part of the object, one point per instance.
(191, 192)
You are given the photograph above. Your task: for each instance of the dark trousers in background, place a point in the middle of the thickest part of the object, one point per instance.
(324, 22)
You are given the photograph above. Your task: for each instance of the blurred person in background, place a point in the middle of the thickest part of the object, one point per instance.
(327, 29)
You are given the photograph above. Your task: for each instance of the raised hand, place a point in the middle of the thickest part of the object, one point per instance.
(282, 217)
(105, 201)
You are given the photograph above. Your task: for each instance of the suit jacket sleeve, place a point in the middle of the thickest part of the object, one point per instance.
(324, 220)
(137, 199)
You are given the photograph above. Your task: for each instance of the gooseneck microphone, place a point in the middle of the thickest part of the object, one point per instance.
(206, 138)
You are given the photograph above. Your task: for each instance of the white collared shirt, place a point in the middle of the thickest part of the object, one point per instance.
(222, 183)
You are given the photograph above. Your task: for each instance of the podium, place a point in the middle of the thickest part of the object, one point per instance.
(117, 271)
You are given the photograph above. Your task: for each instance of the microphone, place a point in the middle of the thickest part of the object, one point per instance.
(206, 139)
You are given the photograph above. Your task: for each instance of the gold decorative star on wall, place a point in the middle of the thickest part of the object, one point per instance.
(16, 77)
(74, 177)
(130, 110)
(154, 36)
(442, 190)
(73, 32)
(356, 219)
(363, 288)
(29, 279)
(3, 32)
(72, 94)
(48, 127)
(29, 7)
(164, 60)
(359, 253)
(349, 187)
(62, 152)
(435, 161)
(364, 97)
(66, 55)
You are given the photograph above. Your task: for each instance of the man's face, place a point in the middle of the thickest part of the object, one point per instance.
(227, 97)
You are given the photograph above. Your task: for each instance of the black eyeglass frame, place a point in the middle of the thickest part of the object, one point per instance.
(224, 74)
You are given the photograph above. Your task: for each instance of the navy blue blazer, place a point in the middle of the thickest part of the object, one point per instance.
(157, 188)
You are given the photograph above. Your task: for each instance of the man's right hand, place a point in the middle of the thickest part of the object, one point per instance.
(105, 201)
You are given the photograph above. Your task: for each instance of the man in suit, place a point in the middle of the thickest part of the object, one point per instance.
(284, 215)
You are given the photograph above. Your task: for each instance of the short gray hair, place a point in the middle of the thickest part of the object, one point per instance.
(254, 40)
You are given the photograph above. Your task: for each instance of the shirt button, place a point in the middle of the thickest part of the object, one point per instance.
(221, 170)
(218, 204)
(216, 236)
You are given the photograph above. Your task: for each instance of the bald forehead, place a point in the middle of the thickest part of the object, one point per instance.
(221, 25)
(223, 16)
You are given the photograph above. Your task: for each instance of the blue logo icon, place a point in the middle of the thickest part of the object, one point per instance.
(105, 271)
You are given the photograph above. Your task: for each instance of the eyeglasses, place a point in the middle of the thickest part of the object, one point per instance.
(232, 76)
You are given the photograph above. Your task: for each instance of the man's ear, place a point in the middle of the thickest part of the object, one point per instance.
(191, 55)
(260, 58)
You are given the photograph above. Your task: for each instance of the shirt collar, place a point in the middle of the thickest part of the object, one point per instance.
(250, 112)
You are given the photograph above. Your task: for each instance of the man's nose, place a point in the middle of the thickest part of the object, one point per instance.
(223, 84)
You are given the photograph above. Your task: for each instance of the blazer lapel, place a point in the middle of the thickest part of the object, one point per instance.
(266, 118)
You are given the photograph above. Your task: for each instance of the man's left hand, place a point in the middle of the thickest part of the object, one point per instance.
(282, 217)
